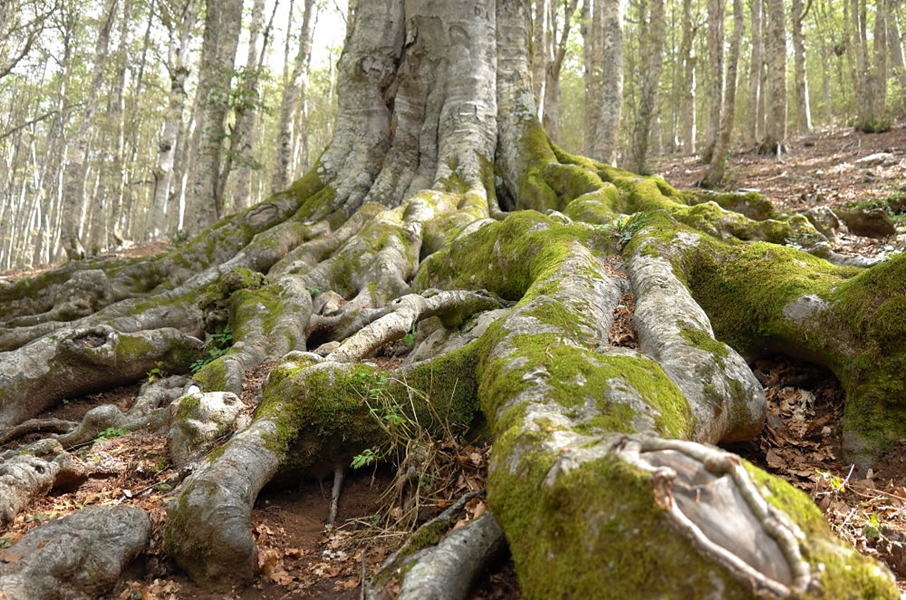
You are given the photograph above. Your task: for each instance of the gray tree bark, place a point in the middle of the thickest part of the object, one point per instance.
(292, 102)
(204, 194)
(179, 22)
(754, 121)
(604, 73)
(774, 141)
(798, 13)
(76, 170)
(717, 167)
(652, 39)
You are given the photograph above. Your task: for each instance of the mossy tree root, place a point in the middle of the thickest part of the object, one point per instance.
(208, 527)
(24, 477)
(764, 298)
(447, 569)
(453, 307)
(726, 399)
(69, 363)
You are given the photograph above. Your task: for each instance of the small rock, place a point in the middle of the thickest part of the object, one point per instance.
(197, 420)
(871, 222)
(878, 159)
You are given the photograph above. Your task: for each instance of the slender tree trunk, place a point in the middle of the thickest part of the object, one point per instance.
(874, 117)
(293, 100)
(688, 60)
(652, 39)
(180, 24)
(204, 200)
(774, 141)
(541, 42)
(551, 113)
(604, 95)
(716, 16)
(715, 174)
(753, 129)
(243, 141)
(895, 40)
(74, 177)
(803, 106)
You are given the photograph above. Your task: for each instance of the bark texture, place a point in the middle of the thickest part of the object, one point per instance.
(442, 215)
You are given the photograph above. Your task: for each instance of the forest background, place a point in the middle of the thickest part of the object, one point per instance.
(125, 121)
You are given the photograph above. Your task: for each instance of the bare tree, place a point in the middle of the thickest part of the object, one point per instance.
(179, 18)
(293, 100)
(560, 24)
(76, 170)
(604, 77)
(754, 117)
(715, 80)
(216, 69)
(774, 141)
(716, 168)
(798, 13)
(652, 39)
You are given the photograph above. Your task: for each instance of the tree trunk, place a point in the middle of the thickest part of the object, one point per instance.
(604, 72)
(687, 103)
(551, 112)
(180, 24)
(204, 198)
(242, 142)
(756, 77)
(716, 168)
(652, 38)
(716, 16)
(803, 105)
(293, 101)
(774, 141)
(601, 453)
(76, 169)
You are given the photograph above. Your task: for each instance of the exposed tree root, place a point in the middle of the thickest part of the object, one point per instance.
(24, 477)
(80, 556)
(70, 363)
(447, 570)
(37, 426)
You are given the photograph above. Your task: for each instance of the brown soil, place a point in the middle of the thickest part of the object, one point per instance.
(302, 558)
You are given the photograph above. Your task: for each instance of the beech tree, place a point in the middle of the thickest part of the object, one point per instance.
(440, 206)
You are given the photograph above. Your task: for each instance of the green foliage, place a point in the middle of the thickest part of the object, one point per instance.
(216, 346)
(110, 433)
(157, 372)
(364, 459)
(409, 338)
(625, 227)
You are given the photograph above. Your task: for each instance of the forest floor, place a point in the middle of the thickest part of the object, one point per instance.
(302, 558)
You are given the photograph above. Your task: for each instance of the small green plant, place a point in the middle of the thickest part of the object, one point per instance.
(216, 346)
(110, 433)
(364, 459)
(624, 228)
(409, 338)
(314, 291)
(157, 372)
(872, 529)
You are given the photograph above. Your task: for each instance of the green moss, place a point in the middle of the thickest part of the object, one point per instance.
(534, 192)
(504, 257)
(844, 573)
(212, 376)
(701, 339)
(324, 412)
(605, 505)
